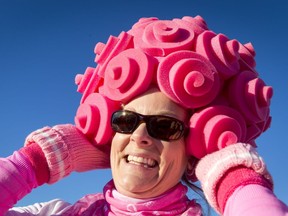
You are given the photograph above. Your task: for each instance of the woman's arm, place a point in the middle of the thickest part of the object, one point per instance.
(253, 200)
(17, 178)
(49, 155)
(53, 207)
(227, 172)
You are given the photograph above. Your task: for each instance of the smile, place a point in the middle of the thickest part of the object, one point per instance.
(146, 162)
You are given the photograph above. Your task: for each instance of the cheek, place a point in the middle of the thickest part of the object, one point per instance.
(119, 142)
(176, 155)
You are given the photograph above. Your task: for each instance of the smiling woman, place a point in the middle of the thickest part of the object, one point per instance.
(131, 177)
(170, 102)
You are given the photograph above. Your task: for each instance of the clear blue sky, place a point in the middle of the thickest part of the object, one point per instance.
(44, 44)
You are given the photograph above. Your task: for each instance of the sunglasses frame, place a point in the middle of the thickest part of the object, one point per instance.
(147, 120)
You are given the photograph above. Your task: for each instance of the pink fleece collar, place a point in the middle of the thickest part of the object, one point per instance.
(174, 202)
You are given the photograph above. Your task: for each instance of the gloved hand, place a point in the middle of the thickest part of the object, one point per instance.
(221, 172)
(65, 149)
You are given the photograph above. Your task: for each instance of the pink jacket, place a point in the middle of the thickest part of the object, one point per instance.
(17, 179)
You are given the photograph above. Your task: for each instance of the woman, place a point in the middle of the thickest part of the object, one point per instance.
(167, 93)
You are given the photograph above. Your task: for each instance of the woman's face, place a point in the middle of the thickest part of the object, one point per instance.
(154, 165)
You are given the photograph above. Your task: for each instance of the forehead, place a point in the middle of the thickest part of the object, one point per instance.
(154, 102)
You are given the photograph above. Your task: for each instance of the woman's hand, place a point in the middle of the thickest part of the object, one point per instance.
(221, 172)
(65, 149)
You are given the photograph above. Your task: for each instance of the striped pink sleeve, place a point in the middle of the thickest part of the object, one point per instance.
(17, 178)
(253, 199)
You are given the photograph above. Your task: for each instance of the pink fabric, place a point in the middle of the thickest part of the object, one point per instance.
(235, 177)
(17, 179)
(55, 150)
(174, 202)
(39, 163)
(213, 167)
(67, 150)
(252, 200)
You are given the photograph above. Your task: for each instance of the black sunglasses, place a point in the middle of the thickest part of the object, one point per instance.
(158, 126)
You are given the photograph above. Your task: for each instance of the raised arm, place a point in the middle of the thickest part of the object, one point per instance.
(49, 155)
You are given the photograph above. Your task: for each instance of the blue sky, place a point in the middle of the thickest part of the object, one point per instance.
(44, 44)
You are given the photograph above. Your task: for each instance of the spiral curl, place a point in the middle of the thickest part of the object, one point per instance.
(222, 52)
(188, 78)
(93, 118)
(214, 128)
(105, 52)
(162, 37)
(247, 57)
(249, 94)
(127, 75)
(89, 82)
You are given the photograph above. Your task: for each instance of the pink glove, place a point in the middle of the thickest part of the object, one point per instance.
(238, 162)
(66, 149)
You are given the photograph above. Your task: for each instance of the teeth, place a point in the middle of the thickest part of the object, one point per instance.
(140, 160)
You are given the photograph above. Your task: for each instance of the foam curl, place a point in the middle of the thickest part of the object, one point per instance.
(127, 75)
(105, 52)
(161, 37)
(93, 118)
(250, 95)
(188, 79)
(222, 52)
(88, 82)
(214, 128)
(193, 66)
(247, 56)
(199, 24)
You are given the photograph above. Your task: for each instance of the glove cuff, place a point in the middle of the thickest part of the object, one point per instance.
(235, 177)
(55, 151)
(94, 157)
(66, 149)
(213, 167)
(38, 161)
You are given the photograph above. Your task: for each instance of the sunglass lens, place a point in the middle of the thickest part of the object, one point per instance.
(165, 128)
(124, 122)
(160, 127)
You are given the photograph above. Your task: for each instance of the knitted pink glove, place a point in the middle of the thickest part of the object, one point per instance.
(65, 149)
(240, 162)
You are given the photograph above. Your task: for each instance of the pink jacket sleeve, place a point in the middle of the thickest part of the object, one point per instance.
(254, 200)
(17, 178)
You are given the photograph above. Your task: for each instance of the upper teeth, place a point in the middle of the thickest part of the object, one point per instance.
(145, 161)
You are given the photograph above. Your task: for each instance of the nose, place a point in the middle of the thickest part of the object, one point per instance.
(141, 136)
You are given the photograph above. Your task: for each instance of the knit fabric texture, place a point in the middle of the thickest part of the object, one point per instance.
(35, 155)
(231, 181)
(66, 149)
(213, 167)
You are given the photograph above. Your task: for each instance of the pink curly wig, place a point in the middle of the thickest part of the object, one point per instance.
(203, 71)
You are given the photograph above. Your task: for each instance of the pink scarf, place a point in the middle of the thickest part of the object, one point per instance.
(173, 202)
